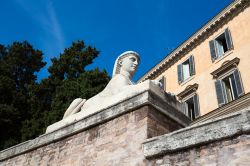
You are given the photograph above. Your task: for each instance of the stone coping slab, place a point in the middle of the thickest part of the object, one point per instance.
(152, 95)
(195, 135)
(126, 94)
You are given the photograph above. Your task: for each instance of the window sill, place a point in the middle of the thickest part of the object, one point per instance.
(187, 80)
(223, 56)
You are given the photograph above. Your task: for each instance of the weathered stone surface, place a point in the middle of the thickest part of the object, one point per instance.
(116, 142)
(210, 131)
(122, 102)
(120, 136)
(227, 152)
(142, 116)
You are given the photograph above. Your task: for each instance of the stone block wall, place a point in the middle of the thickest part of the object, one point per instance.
(229, 152)
(116, 142)
(224, 141)
(145, 130)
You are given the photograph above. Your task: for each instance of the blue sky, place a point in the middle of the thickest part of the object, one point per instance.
(153, 28)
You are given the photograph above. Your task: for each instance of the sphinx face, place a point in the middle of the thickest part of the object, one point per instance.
(129, 64)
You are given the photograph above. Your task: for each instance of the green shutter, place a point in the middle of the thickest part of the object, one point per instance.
(179, 72)
(196, 106)
(238, 83)
(220, 93)
(235, 93)
(191, 63)
(228, 39)
(212, 50)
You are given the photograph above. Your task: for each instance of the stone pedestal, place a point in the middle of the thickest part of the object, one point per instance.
(113, 136)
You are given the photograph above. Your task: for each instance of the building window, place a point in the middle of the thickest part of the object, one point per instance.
(186, 69)
(229, 88)
(163, 82)
(189, 101)
(228, 84)
(220, 45)
(190, 107)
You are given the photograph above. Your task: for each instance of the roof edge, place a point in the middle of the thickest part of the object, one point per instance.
(193, 39)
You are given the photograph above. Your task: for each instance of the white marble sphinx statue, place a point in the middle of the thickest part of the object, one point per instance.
(119, 88)
(124, 69)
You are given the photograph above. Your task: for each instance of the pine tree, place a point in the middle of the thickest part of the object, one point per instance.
(68, 80)
(71, 80)
(28, 107)
(18, 64)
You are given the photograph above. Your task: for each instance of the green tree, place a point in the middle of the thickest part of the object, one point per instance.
(28, 107)
(73, 61)
(85, 86)
(71, 80)
(68, 80)
(18, 64)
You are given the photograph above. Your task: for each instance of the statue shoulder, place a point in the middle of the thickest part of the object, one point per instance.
(119, 80)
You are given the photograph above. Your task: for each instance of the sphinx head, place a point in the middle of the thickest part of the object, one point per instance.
(127, 63)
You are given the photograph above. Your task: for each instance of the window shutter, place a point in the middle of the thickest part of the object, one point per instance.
(163, 82)
(179, 70)
(196, 106)
(235, 93)
(220, 93)
(212, 50)
(228, 39)
(238, 83)
(183, 108)
(192, 67)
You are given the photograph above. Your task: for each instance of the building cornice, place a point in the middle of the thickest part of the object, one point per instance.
(188, 90)
(209, 28)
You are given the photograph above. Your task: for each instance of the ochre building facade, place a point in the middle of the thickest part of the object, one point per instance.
(211, 69)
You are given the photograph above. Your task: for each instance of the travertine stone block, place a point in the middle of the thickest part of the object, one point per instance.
(112, 136)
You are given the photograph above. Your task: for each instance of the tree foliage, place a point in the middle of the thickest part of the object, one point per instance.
(18, 64)
(28, 107)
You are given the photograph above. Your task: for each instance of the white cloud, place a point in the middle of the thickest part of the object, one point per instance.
(44, 14)
(55, 26)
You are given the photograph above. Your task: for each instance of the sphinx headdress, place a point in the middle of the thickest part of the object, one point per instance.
(117, 66)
